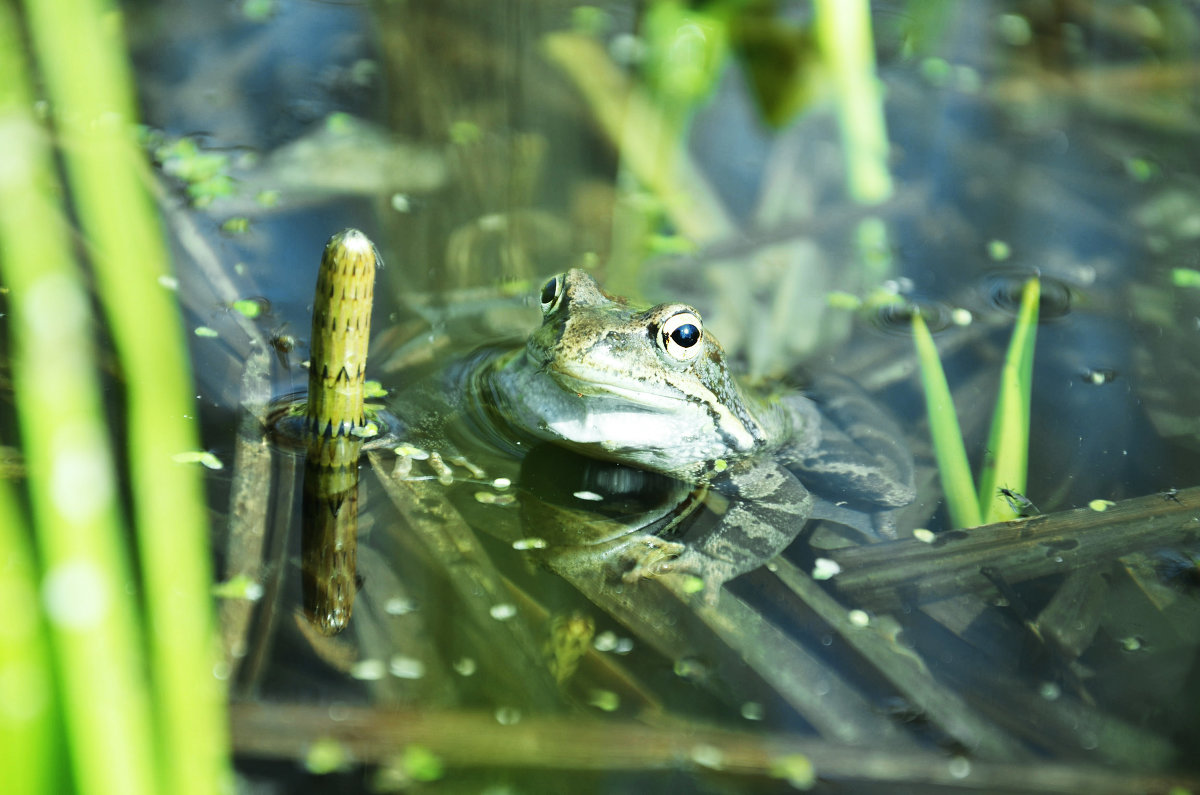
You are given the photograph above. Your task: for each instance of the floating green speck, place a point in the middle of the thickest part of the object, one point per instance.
(840, 300)
(339, 123)
(248, 307)
(796, 769)
(258, 10)
(236, 226)
(205, 331)
(421, 764)
(998, 250)
(326, 756)
(373, 389)
(267, 198)
(936, 71)
(366, 431)
(198, 457)
(529, 543)
(239, 587)
(1185, 277)
(1140, 170)
(693, 585)
(1101, 506)
(604, 700)
(465, 132)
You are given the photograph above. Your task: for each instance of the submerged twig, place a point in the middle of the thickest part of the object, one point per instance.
(474, 739)
(248, 509)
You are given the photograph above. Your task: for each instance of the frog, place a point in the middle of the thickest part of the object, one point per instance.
(652, 389)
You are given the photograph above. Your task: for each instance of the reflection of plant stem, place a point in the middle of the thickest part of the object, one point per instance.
(847, 47)
(1005, 460)
(340, 332)
(629, 119)
(329, 538)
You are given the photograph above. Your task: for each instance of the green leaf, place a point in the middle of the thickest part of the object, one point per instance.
(948, 447)
(1005, 461)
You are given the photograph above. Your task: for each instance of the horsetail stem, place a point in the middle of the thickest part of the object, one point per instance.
(340, 332)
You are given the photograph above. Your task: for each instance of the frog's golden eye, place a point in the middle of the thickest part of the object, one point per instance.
(681, 335)
(552, 291)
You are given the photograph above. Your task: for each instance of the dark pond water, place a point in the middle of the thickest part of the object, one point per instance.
(1025, 138)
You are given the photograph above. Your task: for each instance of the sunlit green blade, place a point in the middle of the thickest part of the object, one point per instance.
(1005, 461)
(86, 76)
(948, 446)
(90, 610)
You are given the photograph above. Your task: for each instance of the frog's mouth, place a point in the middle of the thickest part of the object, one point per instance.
(632, 392)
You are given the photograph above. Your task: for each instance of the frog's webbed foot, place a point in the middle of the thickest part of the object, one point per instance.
(651, 556)
(655, 557)
(768, 507)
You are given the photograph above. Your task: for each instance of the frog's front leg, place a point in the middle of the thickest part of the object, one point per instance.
(862, 457)
(767, 509)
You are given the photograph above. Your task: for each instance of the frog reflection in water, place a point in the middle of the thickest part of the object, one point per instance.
(651, 389)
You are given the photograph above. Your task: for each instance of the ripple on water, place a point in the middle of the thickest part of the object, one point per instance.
(896, 317)
(1002, 290)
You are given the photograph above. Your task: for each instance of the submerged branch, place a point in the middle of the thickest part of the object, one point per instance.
(911, 571)
(476, 739)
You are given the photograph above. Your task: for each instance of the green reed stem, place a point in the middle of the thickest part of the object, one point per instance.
(82, 60)
(91, 613)
(948, 447)
(1005, 463)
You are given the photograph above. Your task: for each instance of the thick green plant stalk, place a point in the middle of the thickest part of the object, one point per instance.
(82, 60)
(1005, 463)
(91, 614)
(341, 331)
(948, 447)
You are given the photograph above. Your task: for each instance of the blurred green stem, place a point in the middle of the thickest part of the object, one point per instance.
(83, 64)
(848, 48)
(91, 611)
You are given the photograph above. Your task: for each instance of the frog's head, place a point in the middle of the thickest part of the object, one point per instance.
(648, 387)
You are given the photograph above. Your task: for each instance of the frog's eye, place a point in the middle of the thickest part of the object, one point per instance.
(681, 334)
(552, 290)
